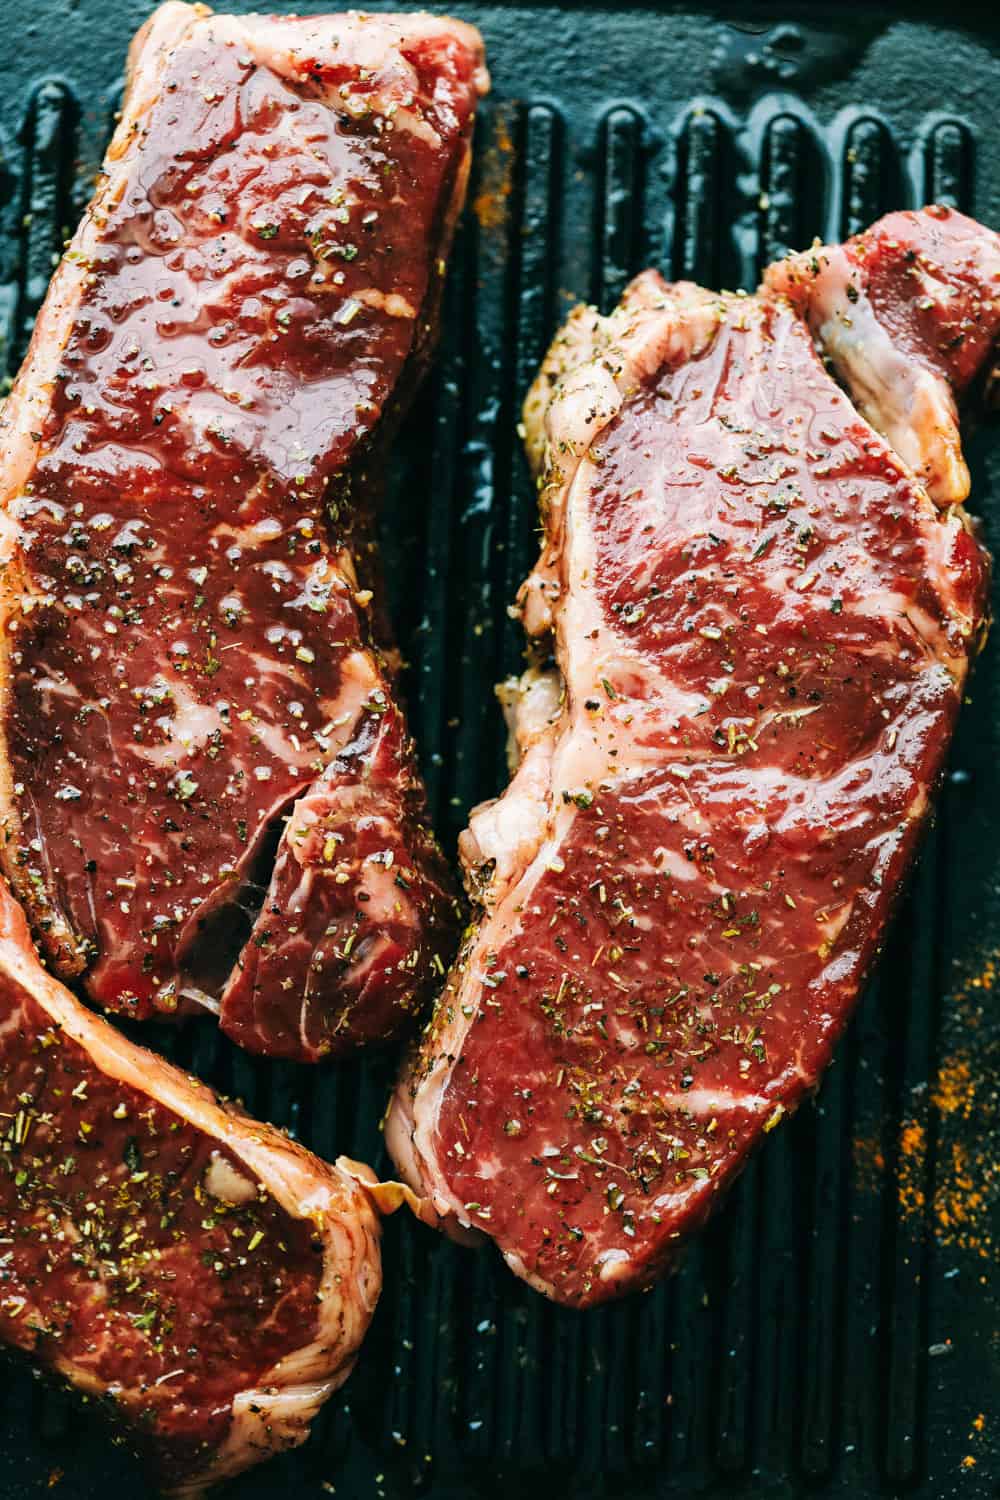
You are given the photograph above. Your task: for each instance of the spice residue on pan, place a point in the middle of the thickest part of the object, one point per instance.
(955, 1091)
(911, 1168)
(490, 204)
(965, 1095)
(869, 1163)
(976, 1431)
(961, 1200)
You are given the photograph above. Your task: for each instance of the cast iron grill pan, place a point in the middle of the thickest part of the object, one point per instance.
(836, 1331)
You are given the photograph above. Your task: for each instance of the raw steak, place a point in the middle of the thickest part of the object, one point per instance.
(908, 312)
(208, 792)
(762, 627)
(204, 1276)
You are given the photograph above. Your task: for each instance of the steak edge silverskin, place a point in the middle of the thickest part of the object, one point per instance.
(208, 793)
(761, 628)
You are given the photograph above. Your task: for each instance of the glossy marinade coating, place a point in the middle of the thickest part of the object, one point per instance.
(205, 1278)
(190, 475)
(762, 627)
(341, 950)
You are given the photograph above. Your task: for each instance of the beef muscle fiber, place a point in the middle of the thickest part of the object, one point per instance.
(761, 626)
(208, 791)
(203, 1275)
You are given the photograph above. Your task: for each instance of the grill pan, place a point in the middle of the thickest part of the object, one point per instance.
(836, 1331)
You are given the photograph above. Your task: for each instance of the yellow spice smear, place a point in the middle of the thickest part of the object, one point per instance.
(966, 1193)
(490, 204)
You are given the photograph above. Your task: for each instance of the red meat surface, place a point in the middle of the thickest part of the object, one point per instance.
(761, 627)
(191, 673)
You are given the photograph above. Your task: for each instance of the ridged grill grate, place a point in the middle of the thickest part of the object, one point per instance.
(791, 1355)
